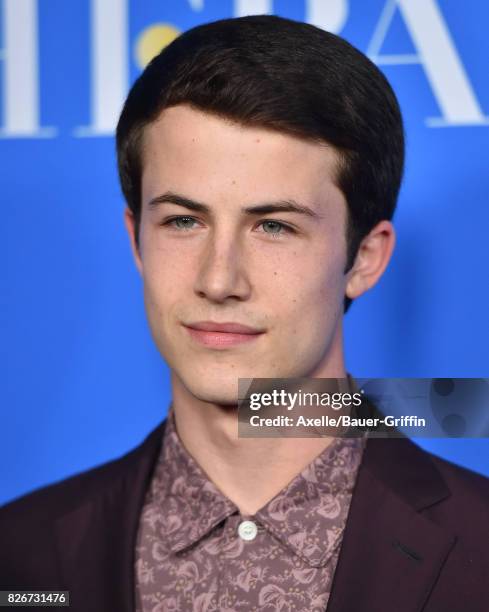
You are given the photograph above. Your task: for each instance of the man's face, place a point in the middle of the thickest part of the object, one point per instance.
(278, 272)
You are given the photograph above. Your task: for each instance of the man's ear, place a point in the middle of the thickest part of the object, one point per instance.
(371, 260)
(130, 223)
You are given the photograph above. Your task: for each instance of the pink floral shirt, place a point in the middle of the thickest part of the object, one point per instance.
(195, 551)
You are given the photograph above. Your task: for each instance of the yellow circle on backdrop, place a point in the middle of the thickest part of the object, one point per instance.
(152, 40)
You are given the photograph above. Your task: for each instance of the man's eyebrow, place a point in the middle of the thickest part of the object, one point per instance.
(288, 205)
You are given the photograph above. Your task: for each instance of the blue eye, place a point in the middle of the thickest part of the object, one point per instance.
(272, 225)
(180, 223)
(276, 227)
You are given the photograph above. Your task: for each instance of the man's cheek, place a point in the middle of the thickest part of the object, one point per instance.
(161, 291)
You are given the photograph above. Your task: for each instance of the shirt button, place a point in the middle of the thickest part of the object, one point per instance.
(247, 530)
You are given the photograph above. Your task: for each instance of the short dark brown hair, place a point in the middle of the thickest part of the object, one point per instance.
(293, 77)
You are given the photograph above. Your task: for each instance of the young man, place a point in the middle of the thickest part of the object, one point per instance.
(260, 159)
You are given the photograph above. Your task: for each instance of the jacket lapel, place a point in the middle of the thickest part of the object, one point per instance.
(391, 554)
(96, 540)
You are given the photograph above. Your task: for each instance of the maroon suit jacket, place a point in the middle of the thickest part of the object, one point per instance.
(416, 539)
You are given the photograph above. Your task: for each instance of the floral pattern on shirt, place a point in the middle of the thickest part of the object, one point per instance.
(190, 556)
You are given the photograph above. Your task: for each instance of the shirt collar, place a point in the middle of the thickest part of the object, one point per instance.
(192, 505)
(308, 515)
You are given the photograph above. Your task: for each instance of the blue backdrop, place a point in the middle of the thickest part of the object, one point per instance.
(84, 382)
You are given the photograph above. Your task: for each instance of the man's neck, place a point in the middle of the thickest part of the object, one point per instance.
(249, 471)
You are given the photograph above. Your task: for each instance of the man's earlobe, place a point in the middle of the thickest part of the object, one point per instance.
(372, 258)
(130, 223)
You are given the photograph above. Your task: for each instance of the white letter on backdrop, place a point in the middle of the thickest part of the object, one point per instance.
(20, 57)
(438, 56)
(109, 66)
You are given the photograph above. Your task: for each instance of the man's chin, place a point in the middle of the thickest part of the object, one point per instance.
(213, 392)
(227, 402)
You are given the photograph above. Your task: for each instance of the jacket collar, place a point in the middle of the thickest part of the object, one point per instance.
(391, 553)
(96, 540)
(390, 558)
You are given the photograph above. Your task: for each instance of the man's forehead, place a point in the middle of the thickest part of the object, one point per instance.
(184, 124)
(208, 159)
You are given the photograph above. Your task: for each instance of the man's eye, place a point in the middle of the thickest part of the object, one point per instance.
(180, 223)
(275, 228)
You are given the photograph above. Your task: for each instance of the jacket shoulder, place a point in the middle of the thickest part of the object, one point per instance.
(469, 489)
(423, 478)
(59, 497)
(463, 493)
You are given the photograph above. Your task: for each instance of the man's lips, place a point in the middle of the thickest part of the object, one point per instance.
(222, 335)
(233, 328)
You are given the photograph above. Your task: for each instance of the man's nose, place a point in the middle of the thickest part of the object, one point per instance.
(222, 273)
